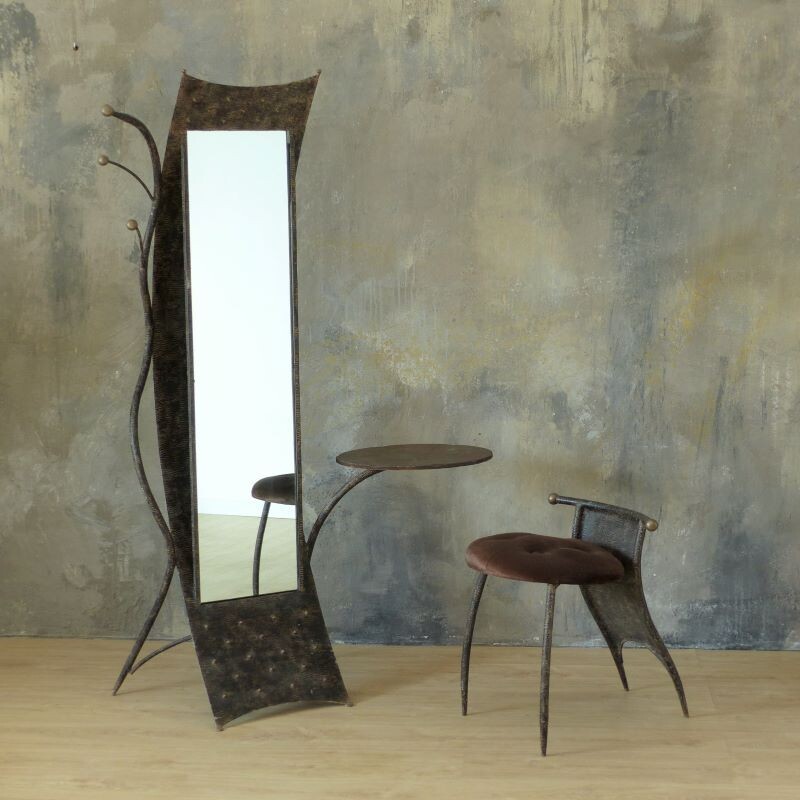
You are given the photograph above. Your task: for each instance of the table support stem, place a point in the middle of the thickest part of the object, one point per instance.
(325, 513)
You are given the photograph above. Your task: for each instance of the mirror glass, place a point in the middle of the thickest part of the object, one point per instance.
(239, 276)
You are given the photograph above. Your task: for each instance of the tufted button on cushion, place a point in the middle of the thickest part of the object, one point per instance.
(543, 559)
(275, 489)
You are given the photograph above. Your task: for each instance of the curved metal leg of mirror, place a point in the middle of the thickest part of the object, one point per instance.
(620, 611)
(127, 667)
(168, 646)
(326, 512)
(262, 526)
(544, 685)
(466, 647)
(145, 244)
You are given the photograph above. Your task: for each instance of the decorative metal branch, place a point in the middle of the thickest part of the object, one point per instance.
(104, 160)
(145, 245)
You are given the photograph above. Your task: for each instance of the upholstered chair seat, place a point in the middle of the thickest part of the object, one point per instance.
(275, 489)
(543, 559)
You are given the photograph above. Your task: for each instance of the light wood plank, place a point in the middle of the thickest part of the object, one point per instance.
(63, 736)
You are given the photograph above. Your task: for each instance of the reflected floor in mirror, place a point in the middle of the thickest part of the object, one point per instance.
(226, 556)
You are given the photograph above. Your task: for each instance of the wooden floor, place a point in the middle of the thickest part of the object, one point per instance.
(62, 735)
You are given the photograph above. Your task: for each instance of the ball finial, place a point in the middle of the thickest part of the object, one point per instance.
(106, 110)
(102, 160)
(552, 498)
(132, 225)
(651, 525)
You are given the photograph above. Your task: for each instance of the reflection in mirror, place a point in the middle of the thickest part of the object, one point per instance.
(238, 260)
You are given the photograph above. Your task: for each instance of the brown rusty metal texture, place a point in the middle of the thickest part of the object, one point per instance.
(544, 682)
(466, 648)
(619, 607)
(253, 651)
(414, 456)
(158, 651)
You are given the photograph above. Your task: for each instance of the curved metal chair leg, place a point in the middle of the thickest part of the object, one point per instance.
(466, 648)
(127, 667)
(614, 646)
(262, 526)
(659, 650)
(544, 686)
(616, 654)
(621, 613)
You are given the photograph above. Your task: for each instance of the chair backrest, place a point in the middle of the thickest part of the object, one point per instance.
(619, 530)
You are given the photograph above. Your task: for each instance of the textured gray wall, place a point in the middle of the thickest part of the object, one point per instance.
(563, 229)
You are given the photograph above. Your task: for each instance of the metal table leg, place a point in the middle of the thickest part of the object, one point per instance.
(326, 512)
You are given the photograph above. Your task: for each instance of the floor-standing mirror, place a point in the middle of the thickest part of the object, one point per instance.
(236, 189)
(226, 364)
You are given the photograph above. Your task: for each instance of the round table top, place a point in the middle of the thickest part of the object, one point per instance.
(414, 456)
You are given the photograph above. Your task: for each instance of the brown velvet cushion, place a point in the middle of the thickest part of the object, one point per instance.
(275, 489)
(543, 559)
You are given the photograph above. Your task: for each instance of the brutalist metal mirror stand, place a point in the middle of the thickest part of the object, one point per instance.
(255, 651)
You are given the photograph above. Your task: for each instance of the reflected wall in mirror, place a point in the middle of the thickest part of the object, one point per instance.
(238, 260)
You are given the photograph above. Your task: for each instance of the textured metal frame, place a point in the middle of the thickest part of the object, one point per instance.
(253, 651)
(619, 607)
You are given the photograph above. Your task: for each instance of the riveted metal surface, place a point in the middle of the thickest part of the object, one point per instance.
(254, 651)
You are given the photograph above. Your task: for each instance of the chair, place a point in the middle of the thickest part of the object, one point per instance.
(603, 557)
(275, 489)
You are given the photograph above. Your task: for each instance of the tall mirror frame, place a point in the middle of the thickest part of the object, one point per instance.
(266, 649)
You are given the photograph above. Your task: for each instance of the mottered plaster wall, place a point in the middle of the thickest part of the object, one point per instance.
(562, 229)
